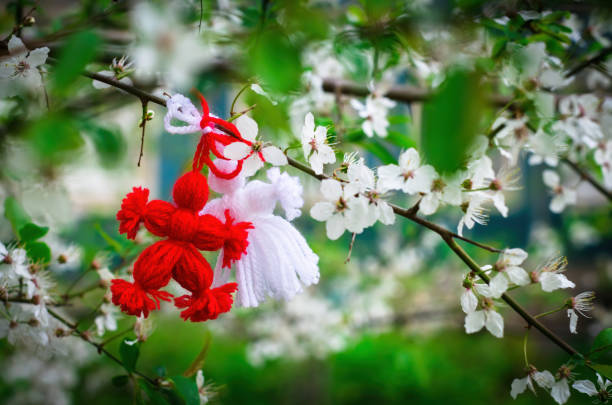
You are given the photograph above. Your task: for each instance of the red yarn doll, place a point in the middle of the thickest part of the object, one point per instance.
(177, 256)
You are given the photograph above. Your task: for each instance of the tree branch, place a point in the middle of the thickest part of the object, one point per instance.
(600, 57)
(98, 346)
(587, 177)
(404, 94)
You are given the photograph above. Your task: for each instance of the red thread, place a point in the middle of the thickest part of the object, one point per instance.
(213, 140)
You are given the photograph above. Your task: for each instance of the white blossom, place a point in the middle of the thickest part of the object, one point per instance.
(579, 304)
(505, 180)
(20, 70)
(13, 263)
(508, 271)
(118, 70)
(587, 387)
(579, 119)
(545, 148)
(106, 321)
(474, 213)
(489, 318)
(544, 379)
(510, 139)
(409, 176)
(343, 210)
(550, 275)
(314, 143)
(363, 179)
(374, 112)
(257, 153)
(443, 190)
(22, 329)
(562, 196)
(560, 391)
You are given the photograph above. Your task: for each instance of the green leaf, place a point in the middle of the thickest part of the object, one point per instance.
(30, 232)
(604, 369)
(129, 354)
(108, 142)
(79, 50)
(115, 246)
(375, 147)
(356, 15)
(498, 47)
(601, 350)
(55, 138)
(450, 121)
(154, 395)
(399, 119)
(38, 252)
(198, 362)
(401, 140)
(187, 389)
(276, 61)
(120, 380)
(14, 212)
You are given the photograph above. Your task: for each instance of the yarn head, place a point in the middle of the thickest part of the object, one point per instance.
(191, 191)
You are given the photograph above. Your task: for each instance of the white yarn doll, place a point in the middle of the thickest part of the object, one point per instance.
(278, 261)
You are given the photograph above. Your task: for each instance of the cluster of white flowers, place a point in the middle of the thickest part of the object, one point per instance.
(374, 112)
(558, 386)
(358, 200)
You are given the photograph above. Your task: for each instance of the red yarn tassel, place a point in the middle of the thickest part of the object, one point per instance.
(236, 242)
(208, 305)
(132, 211)
(133, 300)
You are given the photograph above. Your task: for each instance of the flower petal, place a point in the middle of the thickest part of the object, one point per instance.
(321, 211)
(274, 155)
(469, 302)
(586, 387)
(335, 226)
(495, 324)
(474, 321)
(331, 189)
(518, 386)
(237, 150)
(247, 127)
(545, 379)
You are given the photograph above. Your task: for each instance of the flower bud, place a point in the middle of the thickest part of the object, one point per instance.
(29, 21)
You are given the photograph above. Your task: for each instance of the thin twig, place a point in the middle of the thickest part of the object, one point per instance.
(143, 125)
(117, 335)
(348, 257)
(98, 346)
(405, 94)
(587, 177)
(600, 57)
(241, 113)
